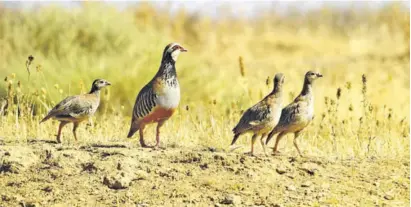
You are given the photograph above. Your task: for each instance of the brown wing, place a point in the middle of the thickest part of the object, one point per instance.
(254, 116)
(71, 107)
(292, 114)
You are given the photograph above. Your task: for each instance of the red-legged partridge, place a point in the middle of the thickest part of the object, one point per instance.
(158, 100)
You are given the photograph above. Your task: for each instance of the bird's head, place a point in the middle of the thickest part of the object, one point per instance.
(278, 82)
(99, 84)
(173, 50)
(311, 76)
(279, 79)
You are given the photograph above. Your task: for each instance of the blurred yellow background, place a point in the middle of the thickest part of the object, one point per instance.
(72, 47)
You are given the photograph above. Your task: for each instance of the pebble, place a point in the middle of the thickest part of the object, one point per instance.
(306, 184)
(291, 188)
(309, 168)
(389, 197)
(231, 199)
(117, 182)
(281, 170)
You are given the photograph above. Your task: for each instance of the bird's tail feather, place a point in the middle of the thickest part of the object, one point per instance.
(133, 129)
(270, 135)
(235, 138)
(45, 118)
(236, 130)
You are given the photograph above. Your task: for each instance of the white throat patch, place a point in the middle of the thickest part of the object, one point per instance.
(175, 55)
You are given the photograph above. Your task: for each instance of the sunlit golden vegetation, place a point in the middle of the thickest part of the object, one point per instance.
(362, 103)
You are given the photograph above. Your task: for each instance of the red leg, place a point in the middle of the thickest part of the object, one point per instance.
(160, 123)
(296, 135)
(279, 136)
(75, 125)
(142, 143)
(62, 124)
(252, 144)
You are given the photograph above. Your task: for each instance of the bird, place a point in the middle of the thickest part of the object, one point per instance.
(263, 116)
(159, 98)
(298, 114)
(78, 108)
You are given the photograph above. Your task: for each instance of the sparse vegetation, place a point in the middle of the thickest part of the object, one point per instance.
(362, 103)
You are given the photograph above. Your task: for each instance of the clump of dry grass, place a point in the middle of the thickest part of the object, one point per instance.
(365, 85)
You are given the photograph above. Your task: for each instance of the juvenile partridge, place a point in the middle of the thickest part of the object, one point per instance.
(297, 115)
(76, 109)
(158, 100)
(263, 116)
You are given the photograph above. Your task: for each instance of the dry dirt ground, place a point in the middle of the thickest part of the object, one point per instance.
(41, 173)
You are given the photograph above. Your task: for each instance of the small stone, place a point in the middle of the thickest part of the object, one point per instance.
(291, 188)
(306, 184)
(29, 204)
(281, 170)
(117, 182)
(212, 149)
(204, 166)
(89, 167)
(389, 197)
(140, 175)
(376, 184)
(309, 168)
(291, 176)
(48, 189)
(292, 159)
(231, 199)
(372, 192)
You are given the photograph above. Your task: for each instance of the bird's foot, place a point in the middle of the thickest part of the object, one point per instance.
(276, 153)
(249, 154)
(158, 147)
(143, 145)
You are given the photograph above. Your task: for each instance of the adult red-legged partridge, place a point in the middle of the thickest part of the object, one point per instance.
(76, 109)
(263, 116)
(158, 100)
(297, 115)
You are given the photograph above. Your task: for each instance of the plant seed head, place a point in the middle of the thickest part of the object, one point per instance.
(338, 93)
